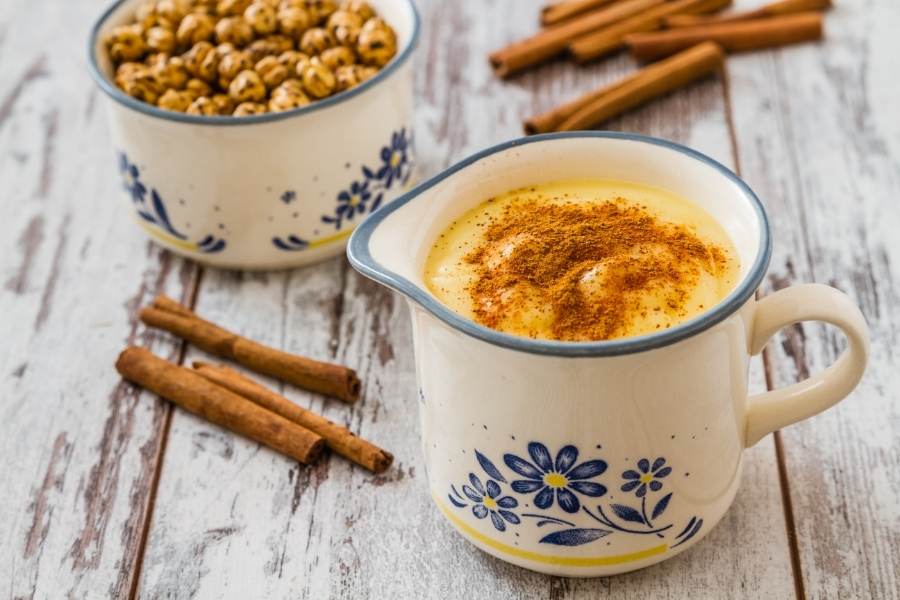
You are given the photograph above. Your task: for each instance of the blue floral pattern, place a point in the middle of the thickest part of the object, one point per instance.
(487, 500)
(561, 478)
(649, 476)
(364, 194)
(155, 214)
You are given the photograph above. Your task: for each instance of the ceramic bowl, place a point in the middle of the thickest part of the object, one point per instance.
(268, 191)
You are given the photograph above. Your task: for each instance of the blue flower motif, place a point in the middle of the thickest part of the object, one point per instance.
(395, 157)
(647, 477)
(546, 476)
(486, 500)
(131, 179)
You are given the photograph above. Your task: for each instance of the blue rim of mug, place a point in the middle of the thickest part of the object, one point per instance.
(107, 85)
(361, 259)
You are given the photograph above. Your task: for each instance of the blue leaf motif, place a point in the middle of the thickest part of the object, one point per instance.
(489, 467)
(661, 505)
(627, 513)
(160, 209)
(574, 537)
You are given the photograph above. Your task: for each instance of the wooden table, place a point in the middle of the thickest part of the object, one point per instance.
(109, 492)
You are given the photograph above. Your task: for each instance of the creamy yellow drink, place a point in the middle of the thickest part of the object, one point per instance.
(582, 260)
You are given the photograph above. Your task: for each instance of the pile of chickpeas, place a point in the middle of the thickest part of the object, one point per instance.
(247, 57)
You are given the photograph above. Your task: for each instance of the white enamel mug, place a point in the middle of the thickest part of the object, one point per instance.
(589, 459)
(267, 191)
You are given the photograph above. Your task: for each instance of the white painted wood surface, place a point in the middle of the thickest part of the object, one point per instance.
(103, 496)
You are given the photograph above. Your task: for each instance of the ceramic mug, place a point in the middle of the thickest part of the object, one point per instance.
(267, 191)
(589, 459)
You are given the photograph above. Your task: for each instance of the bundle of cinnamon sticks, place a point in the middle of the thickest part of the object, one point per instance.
(651, 30)
(231, 400)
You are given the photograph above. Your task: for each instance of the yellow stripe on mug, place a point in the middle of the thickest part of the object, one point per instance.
(572, 561)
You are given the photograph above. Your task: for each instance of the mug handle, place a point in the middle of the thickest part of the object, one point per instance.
(775, 409)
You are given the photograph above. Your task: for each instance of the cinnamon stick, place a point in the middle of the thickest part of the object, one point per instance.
(781, 7)
(218, 405)
(549, 121)
(338, 438)
(603, 41)
(325, 378)
(733, 36)
(648, 83)
(552, 41)
(557, 12)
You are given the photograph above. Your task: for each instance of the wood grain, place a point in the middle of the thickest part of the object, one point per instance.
(90, 475)
(819, 138)
(79, 447)
(252, 524)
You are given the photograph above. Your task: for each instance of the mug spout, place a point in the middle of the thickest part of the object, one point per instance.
(391, 245)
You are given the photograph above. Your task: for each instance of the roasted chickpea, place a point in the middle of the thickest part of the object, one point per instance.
(202, 106)
(245, 109)
(339, 56)
(318, 80)
(208, 70)
(194, 28)
(360, 7)
(247, 86)
(271, 71)
(175, 101)
(142, 86)
(293, 21)
(321, 9)
(160, 39)
(195, 56)
(145, 15)
(347, 77)
(129, 70)
(126, 43)
(232, 64)
(173, 11)
(344, 18)
(197, 87)
(282, 42)
(289, 85)
(316, 40)
(287, 99)
(231, 8)
(290, 59)
(377, 43)
(234, 30)
(223, 49)
(262, 18)
(260, 49)
(346, 34)
(171, 74)
(204, 7)
(224, 103)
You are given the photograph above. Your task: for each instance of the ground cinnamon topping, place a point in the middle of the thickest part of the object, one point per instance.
(586, 267)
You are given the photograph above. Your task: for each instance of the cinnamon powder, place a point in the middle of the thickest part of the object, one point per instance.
(588, 268)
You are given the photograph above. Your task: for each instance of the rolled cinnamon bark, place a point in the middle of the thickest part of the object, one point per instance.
(650, 82)
(603, 41)
(218, 405)
(552, 41)
(549, 121)
(340, 439)
(733, 36)
(782, 7)
(325, 378)
(563, 10)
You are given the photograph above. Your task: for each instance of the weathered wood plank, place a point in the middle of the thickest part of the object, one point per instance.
(79, 448)
(818, 133)
(248, 522)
